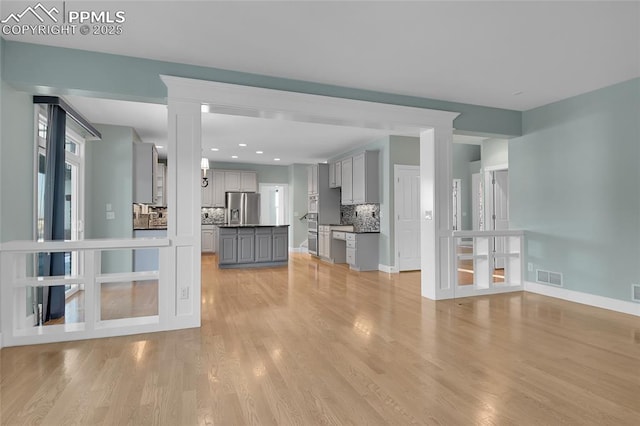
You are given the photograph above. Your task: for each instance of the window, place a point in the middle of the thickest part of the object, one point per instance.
(74, 189)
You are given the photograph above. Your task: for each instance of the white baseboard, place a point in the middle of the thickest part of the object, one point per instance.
(388, 269)
(298, 250)
(622, 306)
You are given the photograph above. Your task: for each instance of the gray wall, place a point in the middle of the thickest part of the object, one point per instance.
(17, 174)
(128, 78)
(574, 187)
(298, 197)
(495, 152)
(462, 156)
(108, 176)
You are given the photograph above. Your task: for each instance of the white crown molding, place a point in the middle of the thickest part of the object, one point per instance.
(270, 103)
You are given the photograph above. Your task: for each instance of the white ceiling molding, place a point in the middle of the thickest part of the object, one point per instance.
(235, 99)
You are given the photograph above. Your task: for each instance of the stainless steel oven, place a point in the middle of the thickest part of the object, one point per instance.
(312, 222)
(313, 204)
(313, 242)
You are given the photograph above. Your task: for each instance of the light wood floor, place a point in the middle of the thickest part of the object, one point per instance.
(317, 344)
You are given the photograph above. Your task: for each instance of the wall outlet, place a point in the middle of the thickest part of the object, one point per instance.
(184, 293)
(530, 267)
(111, 215)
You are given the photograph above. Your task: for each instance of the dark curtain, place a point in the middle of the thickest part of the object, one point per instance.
(53, 263)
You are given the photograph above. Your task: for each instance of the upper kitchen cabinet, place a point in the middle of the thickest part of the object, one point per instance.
(217, 189)
(312, 179)
(360, 179)
(335, 174)
(240, 181)
(347, 180)
(248, 182)
(145, 160)
(206, 191)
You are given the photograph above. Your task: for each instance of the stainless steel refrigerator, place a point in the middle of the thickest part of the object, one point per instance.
(243, 208)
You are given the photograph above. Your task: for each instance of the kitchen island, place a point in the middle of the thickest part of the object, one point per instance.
(253, 246)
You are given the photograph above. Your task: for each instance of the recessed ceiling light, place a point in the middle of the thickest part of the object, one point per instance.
(242, 144)
(234, 156)
(276, 159)
(215, 149)
(258, 152)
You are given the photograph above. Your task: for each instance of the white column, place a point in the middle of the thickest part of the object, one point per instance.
(180, 277)
(435, 202)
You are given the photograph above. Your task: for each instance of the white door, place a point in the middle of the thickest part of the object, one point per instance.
(407, 217)
(274, 204)
(500, 215)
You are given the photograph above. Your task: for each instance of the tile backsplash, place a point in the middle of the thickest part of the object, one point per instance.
(363, 217)
(212, 215)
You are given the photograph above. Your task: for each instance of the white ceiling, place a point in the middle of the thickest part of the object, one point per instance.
(476, 52)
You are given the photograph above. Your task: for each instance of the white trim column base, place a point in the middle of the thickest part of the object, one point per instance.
(596, 301)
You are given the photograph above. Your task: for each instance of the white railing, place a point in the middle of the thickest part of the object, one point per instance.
(493, 258)
(17, 277)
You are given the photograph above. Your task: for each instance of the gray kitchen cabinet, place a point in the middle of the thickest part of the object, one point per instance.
(280, 244)
(207, 239)
(216, 238)
(217, 189)
(206, 192)
(362, 251)
(312, 179)
(347, 181)
(248, 181)
(228, 246)
(360, 179)
(335, 174)
(246, 245)
(253, 246)
(145, 161)
(232, 180)
(264, 243)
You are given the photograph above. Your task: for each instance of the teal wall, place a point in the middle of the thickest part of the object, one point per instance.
(71, 71)
(266, 173)
(298, 197)
(574, 187)
(17, 174)
(108, 178)
(462, 156)
(495, 152)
